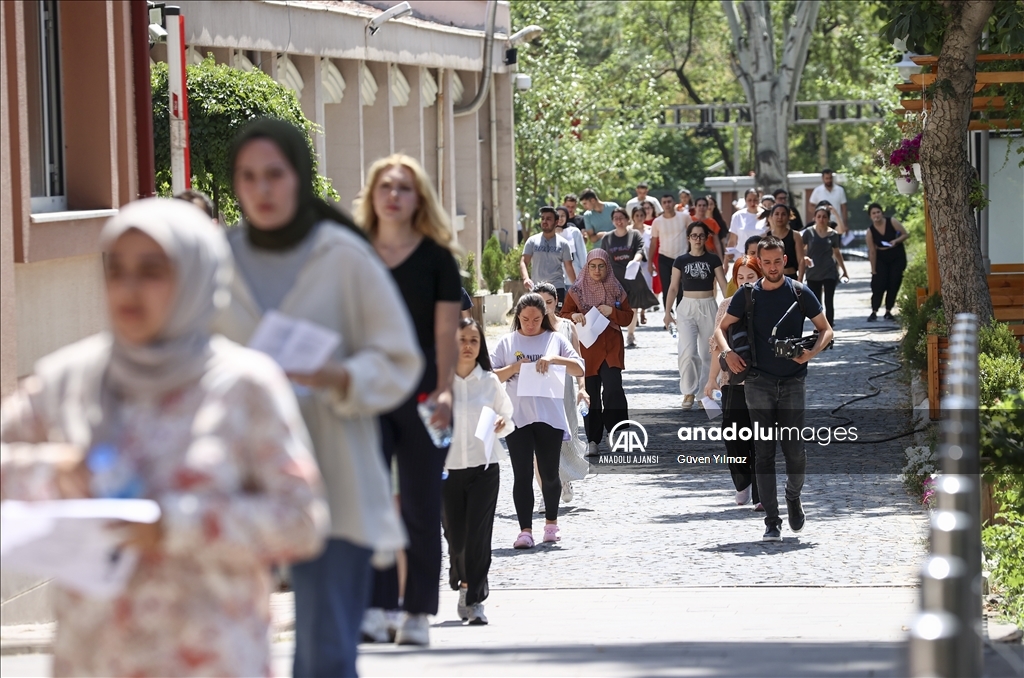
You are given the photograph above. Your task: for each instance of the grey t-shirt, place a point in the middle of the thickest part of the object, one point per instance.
(819, 249)
(548, 257)
(269, 274)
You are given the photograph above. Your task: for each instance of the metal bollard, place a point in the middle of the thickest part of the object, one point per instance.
(946, 638)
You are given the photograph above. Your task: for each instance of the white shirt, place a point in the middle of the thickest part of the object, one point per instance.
(837, 196)
(633, 202)
(671, 234)
(515, 347)
(577, 245)
(744, 225)
(470, 395)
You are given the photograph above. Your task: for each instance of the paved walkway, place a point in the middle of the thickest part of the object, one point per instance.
(660, 573)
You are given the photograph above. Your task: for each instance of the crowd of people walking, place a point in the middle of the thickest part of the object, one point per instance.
(351, 470)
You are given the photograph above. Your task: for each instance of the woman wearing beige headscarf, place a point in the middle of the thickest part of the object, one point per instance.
(208, 429)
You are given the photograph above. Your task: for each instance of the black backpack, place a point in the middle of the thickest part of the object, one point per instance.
(741, 334)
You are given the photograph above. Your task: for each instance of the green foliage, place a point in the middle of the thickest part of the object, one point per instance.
(1002, 435)
(469, 276)
(221, 101)
(997, 375)
(916, 324)
(923, 24)
(1003, 543)
(492, 264)
(512, 258)
(997, 340)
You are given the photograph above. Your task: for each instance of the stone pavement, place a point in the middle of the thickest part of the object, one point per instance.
(660, 573)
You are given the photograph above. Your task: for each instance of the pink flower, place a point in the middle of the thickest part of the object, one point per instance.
(906, 154)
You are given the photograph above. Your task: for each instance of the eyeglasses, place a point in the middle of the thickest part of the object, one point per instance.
(698, 236)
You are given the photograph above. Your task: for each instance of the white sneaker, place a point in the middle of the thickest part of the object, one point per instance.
(476, 615)
(415, 630)
(743, 496)
(566, 493)
(374, 628)
(462, 609)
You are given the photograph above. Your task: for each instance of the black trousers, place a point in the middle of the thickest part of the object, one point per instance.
(886, 282)
(734, 410)
(524, 443)
(825, 290)
(665, 273)
(420, 464)
(470, 499)
(603, 416)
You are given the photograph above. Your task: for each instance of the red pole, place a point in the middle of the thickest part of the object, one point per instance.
(143, 100)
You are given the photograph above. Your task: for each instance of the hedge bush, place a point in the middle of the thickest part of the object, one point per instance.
(997, 375)
(997, 340)
(492, 265)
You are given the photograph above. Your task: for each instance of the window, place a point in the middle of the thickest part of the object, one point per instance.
(45, 138)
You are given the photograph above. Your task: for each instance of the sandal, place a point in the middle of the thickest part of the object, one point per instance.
(551, 533)
(643, 317)
(523, 541)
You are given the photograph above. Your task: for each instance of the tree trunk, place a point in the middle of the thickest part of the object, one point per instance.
(947, 173)
(771, 91)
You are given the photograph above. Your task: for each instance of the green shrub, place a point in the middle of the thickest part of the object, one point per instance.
(492, 265)
(997, 375)
(915, 276)
(512, 258)
(914, 347)
(997, 340)
(1004, 545)
(1002, 436)
(469, 279)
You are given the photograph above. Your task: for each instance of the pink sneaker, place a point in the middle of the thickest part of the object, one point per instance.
(551, 533)
(524, 540)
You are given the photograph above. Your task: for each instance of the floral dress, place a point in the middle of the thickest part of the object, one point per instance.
(228, 462)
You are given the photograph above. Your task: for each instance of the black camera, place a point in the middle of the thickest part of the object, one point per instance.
(792, 347)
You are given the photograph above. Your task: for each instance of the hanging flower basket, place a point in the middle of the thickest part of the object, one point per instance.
(907, 185)
(904, 162)
(917, 172)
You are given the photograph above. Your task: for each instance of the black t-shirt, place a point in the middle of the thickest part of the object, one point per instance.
(621, 250)
(769, 307)
(697, 273)
(427, 276)
(577, 221)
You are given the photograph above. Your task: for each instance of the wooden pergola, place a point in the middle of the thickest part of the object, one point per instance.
(1005, 281)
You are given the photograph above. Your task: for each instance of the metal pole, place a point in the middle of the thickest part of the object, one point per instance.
(946, 638)
(823, 132)
(736, 145)
(181, 178)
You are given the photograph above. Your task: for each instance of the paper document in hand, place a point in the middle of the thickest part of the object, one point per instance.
(592, 329)
(847, 238)
(632, 268)
(735, 251)
(711, 407)
(485, 430)
(534, 384)
(72, 541)
(298, 346)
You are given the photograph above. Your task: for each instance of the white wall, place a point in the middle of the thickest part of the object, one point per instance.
(1006, 209)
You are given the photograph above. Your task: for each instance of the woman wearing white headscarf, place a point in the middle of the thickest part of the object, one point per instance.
(210, 431)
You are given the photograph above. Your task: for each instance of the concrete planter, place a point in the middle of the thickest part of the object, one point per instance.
(494, 308)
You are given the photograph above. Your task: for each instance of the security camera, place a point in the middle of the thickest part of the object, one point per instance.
(396, 12)
(157, 33)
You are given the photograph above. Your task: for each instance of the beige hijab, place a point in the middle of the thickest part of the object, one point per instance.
(181, 352)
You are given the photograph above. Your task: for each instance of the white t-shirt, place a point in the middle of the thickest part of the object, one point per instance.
(744, 225)
(837, 196)
(671, 234)
(633, 202)
(514, 347)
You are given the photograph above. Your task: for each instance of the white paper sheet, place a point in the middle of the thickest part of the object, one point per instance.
(298, 346)
(534, 384)
(735, 251)
(72, 541)
(711, 407)
(847, 238)
(592, 329)
(485, 430)
(632, 268)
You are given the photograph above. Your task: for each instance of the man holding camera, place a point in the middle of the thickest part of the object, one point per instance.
(774, 386)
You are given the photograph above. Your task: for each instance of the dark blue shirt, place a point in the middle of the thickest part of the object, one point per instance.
(769, 307)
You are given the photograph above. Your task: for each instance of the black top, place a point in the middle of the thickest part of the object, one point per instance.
(819, 249)
(789, 245)
(698, 273)
(467, 301)
(621, 250)
(769, 307)
(427, 276)
(577, 221)
(887, 253)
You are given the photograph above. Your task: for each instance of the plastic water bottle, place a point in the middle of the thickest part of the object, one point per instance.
(425, 408)
(584, 410)
(113, 476)
(716, 395)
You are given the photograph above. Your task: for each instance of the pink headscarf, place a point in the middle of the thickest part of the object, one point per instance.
(589, 292)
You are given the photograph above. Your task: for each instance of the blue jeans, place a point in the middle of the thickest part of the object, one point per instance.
(331, 594)
(776, 403)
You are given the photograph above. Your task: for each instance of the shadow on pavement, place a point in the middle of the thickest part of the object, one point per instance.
(761, 548)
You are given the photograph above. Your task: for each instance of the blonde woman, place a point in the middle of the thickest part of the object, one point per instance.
(402, 216)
